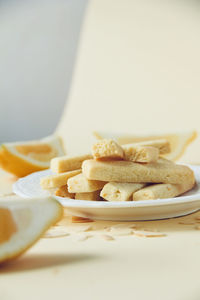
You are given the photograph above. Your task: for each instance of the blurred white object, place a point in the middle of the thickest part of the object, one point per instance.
(38, 42)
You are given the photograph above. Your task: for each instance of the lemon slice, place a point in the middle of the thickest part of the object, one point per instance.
(23, 158)
(178, 141)
(23, 222)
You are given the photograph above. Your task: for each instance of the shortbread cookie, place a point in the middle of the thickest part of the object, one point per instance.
(62, 191)
(162, 144)
(163, 190)
(120, 191)
(126, 171)
(107, 148)
(80, 184)
(93, 196)
(143, 154)
(68, 163)
(57, 180)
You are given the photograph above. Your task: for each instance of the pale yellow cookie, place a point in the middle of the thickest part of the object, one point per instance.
(126, 171)
(163, 190)
(62, 191)
(143, 154)
(57, 180)
(80, 184)
(92, 196)
(120, 191)
(68, 163)
(161, 144)
(107, 148)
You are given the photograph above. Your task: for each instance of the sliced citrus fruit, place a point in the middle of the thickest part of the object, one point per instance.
(23, 158)
(23, 222)
(178, 141)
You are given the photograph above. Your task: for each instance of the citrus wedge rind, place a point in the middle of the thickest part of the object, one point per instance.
(23, 158)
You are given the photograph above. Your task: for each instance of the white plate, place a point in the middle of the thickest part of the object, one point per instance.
(29, 186)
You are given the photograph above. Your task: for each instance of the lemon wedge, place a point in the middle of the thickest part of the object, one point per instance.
(178, 141)
(23, 222)
(23, 158)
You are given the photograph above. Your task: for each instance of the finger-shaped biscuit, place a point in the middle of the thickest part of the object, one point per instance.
(107, 148)
(68, 163)
(92, 196)
(62, 191)
(120, 191)
(126, 171)
(57, 180)
(80, 184)
(143, 154)
(163, 190)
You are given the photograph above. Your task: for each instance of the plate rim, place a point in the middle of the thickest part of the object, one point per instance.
(126, 204)
(67, 202)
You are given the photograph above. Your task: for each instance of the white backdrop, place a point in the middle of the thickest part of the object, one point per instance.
(38, 42)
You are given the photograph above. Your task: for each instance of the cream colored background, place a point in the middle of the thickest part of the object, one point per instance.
(137, 71)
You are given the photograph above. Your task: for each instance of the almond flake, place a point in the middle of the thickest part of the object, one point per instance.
(121, 231)
(132, 226)
(82, 238)
(107, 237)
(120, 225)
(186, 223)
(80, 220)
(152, 230)
(143, 233)
(124, 225)
(107, 228)
(56, 232)
(82, 228)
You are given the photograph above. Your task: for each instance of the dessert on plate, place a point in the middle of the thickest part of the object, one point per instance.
(114, 172)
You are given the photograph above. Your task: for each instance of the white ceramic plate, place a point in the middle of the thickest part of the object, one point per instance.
(29, 186)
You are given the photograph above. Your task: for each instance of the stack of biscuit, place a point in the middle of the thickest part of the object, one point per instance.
(120, 173)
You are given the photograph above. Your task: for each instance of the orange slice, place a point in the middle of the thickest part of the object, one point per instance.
(23, 158)
(178, 141)
(23, 222)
